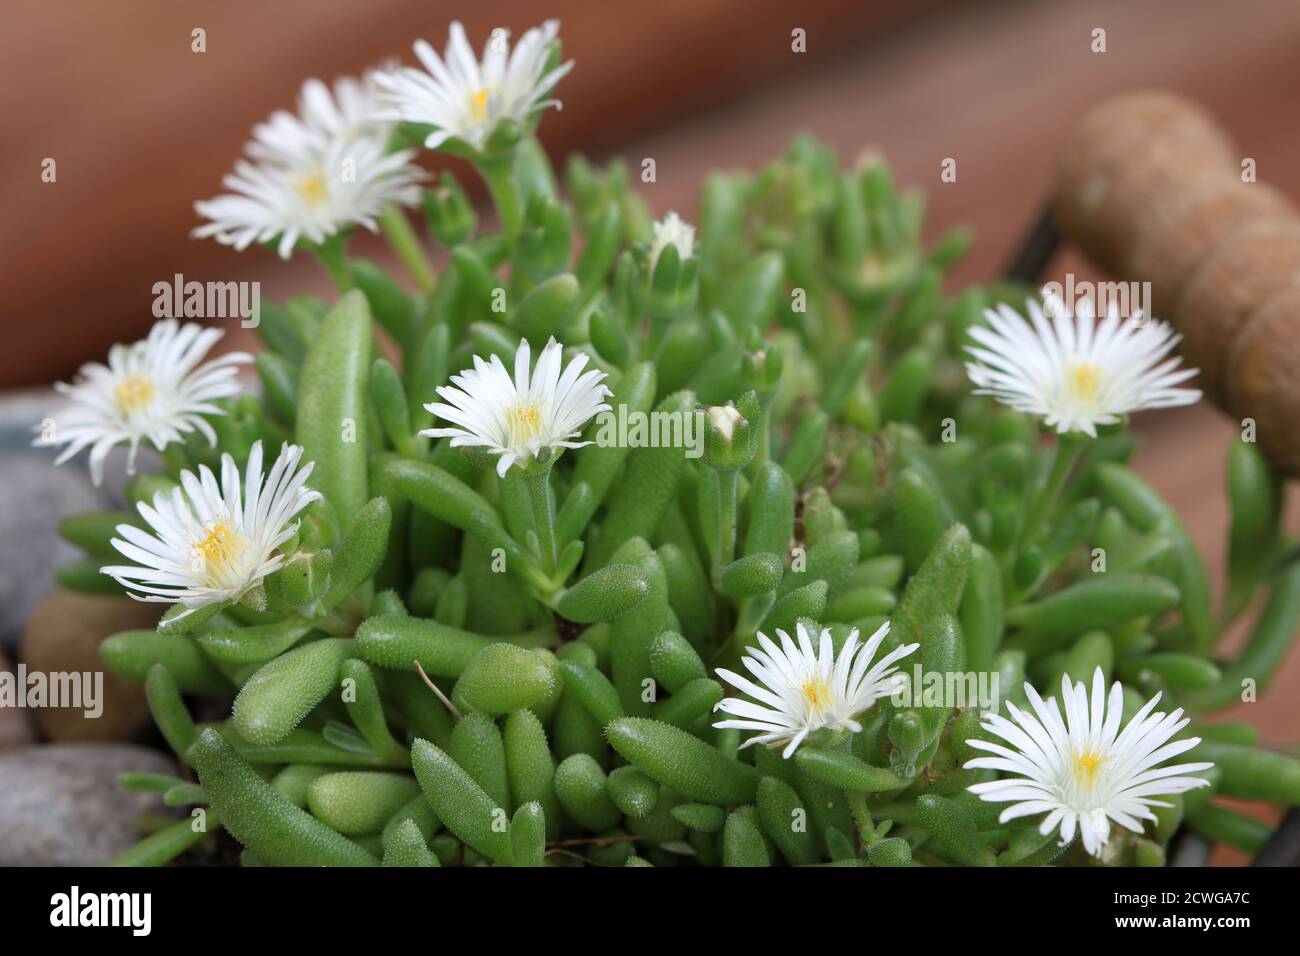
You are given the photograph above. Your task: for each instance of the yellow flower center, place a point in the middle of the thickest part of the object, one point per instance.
(525, 422)
(817, 694)
(478, 105)
(1084, 382)
(313, 188)
(1086, 768)
(219, 548)
(134, 393)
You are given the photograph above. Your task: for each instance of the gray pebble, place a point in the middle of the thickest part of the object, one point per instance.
(61, 805)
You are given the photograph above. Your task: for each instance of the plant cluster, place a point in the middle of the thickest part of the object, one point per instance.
(519, 615)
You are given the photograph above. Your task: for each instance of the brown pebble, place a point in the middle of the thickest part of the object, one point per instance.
(1244, 270)
(1126, 154)
(1150, 188)
(1262, 379)
(63, 634)
(1178, 236)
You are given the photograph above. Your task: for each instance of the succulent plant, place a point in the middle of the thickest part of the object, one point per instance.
(441, 660)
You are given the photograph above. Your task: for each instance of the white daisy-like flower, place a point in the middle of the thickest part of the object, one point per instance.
(1074, 371)
(672, 230)
(323, 170)
(154, 390)
(348, 184)
(520, 418)
(212, 544)
(345, 114)
(800, 690)
(465, 98)
(1084, 772)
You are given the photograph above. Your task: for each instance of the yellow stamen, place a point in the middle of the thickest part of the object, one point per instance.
(134, 393)
(1084, 382)
(478, 104)
(1086, 768)
(817, 694)
(219, 547)
(525, 422)
(313, 188)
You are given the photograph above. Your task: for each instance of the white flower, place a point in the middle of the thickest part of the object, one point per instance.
(214, 544)
(348, 185)
(154, 390)
(1077, 373)
(519, 419)
(672, 230)
(464, 98)
(346, 114)
(1085, 772)
(314, 174)
(800, 690)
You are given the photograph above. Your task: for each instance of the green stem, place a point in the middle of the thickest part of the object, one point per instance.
(750, 612)
(498, 173)
(861, 816)
(333, 256)
(727, 485)
(397, 230)
(539, 496)
(1068, 449)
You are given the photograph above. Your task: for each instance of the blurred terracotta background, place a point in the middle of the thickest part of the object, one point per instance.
(140, 127)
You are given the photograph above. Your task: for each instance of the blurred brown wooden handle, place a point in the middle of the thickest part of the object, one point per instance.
(1152, 189)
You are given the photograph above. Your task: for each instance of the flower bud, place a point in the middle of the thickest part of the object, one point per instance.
(724, 419)
(303, 579)
(907, 734)
(760, 370)
(732, 437)
(671, 266)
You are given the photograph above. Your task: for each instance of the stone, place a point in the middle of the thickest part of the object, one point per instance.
(37, 495)
(15, 723)
(63, 635)
(61, 805)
